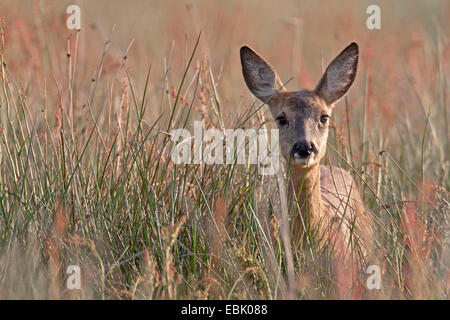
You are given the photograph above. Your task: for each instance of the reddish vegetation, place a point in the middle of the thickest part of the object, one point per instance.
(402, 76)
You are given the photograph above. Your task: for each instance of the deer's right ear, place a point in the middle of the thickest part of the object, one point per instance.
(339, 75)
(259, 76)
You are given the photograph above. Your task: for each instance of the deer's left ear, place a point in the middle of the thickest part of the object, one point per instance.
(339, 76)
(259, 76)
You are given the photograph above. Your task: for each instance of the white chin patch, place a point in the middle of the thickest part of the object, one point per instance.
(301, 160)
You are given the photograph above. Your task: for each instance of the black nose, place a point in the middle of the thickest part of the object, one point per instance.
(304, 150)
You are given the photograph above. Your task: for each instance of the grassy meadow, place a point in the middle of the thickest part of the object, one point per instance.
(87, 179)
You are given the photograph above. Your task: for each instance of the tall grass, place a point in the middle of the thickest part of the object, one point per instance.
(86, 176)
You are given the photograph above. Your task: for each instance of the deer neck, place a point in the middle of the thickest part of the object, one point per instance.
(305, 188)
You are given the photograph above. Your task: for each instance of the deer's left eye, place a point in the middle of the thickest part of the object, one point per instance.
(324, 118)
(282, 120)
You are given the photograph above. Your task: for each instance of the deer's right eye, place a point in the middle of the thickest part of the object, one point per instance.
(281, 120)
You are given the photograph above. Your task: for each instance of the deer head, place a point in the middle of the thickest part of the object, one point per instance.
(301, 116)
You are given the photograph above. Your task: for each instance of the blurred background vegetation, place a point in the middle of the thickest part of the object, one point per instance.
(85, 172)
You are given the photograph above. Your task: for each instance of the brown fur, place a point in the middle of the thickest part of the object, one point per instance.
(327, 196)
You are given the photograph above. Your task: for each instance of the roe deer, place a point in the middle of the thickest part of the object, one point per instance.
(326, 195)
